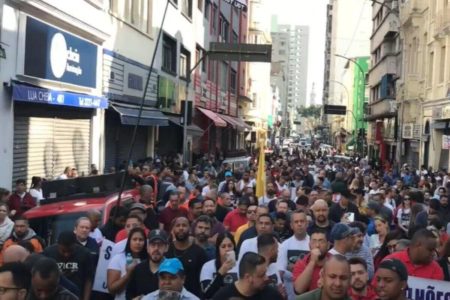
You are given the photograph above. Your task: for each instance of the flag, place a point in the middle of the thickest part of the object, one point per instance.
(261, 174)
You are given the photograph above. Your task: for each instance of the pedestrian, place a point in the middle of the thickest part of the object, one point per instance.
(360, 288)
(6, 225)
(20, 201)
(171, 212)
(15, 281)
(202, 231)
(391, 280)
(36, 189)
(238, 216)
(115, 223)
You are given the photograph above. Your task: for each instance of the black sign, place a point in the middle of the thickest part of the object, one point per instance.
(53, 54)
(335, 109)
(240, 52)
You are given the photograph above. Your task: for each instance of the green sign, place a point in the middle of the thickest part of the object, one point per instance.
(270, 121)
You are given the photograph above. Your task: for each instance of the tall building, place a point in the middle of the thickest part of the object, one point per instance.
(347, 37)
(383, 75)
(290, 68)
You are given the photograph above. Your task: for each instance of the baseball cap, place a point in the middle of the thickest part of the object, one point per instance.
(396, 266)
(138, 206)
(340, 231)
(228, 174)
(157, 234)
(171, 265)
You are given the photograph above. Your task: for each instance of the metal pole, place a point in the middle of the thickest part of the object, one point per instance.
(188, 80)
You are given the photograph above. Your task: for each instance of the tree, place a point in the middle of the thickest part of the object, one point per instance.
(313, 111)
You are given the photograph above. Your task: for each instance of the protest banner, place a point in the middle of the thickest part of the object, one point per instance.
(102, 266)
(427, 289)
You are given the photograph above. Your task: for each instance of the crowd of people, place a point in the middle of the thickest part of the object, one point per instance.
(324, 229)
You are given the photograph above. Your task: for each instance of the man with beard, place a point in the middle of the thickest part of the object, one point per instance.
(144, 279)
(251, 232)
(270, 195)
(252, 282)
(335, 279)
(191, 255)
(202, 231)
(209, 209)
(195, 209)
(172, 211)
(392, 280)
(359, 249)
(306, 271)
(321, 221)
(360, 289)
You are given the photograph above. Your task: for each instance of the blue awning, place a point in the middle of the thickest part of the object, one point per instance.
(33, 94)
(149, 117)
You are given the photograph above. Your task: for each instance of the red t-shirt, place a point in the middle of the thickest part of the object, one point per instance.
(370, 295)
(233, 220)
(430, 271)
(300, 266)
(168, 214)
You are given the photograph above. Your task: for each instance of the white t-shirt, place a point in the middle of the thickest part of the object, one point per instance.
(209, 271)
(291, 250)
(273, 274)
(119, 247)
(37, 194)
(249, 245)
(119, 263)
(375, 244)
(333, 251)
(264, 200)
(97, 235)
(404, 216)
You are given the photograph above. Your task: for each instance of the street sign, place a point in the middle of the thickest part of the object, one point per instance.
(239, 4)
(334, 109)
(240, 52)
(297, 123)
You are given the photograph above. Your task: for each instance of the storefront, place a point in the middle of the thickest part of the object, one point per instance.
(124, 87)
(56, 105)
(213, 125)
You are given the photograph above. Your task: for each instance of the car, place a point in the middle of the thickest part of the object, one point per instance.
(55, 215)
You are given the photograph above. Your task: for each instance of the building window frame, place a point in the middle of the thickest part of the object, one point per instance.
(169, 54)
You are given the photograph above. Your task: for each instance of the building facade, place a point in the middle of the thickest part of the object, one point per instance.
(383, 76)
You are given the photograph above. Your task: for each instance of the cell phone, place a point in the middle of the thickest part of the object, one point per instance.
(231, 255)
(350, 217)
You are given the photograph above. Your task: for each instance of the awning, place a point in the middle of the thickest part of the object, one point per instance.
(214, 117)
(192, 129)
(236, 123)
(245, 99)
(31, 94)
(149, 117)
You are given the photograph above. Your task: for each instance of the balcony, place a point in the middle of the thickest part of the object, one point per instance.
(387, 30)
(387, 65)
(442, 27)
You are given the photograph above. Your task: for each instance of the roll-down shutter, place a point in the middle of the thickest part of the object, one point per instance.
(45, 146)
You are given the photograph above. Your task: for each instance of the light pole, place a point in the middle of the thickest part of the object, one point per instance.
(360, 105)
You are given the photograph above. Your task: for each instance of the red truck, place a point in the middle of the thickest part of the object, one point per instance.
(63, 206)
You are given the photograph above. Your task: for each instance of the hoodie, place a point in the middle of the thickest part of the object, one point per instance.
(5, 230)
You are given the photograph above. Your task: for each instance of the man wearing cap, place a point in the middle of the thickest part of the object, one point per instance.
(359, 250)
(344, 210)
(171, 282)
(391, 280)
(419, 257)
(228, 177)
(335, 279)
(342, 236)
(144, 279)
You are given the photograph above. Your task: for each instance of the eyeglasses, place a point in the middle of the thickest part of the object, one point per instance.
(4, 289)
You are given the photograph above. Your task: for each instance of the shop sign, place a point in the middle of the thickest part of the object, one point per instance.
(446, 142)
(53, 54)
(407, 132)
(39, 95)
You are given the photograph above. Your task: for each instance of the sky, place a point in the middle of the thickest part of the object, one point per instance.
(313, 14)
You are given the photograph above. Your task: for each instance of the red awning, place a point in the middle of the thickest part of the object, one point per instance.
(230, 120)
(214, 117)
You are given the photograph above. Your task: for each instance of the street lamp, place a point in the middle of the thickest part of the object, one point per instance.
(360, 105)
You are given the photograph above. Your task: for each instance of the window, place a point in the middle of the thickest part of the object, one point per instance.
(214, 19)
(169, 61)
(186, 8)
(185, 62)
(224, 28)
(136, 13)
(207, 9)
(254, 100)
(233, 81)
(442, 65)
(200, 5)
(430, 69)
(223, 76)
(199, 53)
(235, 38)
(212, 75)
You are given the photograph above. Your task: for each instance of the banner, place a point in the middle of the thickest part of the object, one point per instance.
(240, 4)
(446, 142)
(427, 289)
(102, 266)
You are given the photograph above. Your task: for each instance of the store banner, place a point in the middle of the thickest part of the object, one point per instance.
(446, 142)
(31, 94)
(240, 4)
(103, 264)
(427, 289)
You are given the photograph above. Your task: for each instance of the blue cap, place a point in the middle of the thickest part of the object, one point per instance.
(228, 173)
(340, 231)
(171, 265)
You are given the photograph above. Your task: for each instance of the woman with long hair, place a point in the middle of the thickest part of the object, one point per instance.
(389, 246)
(36, 189)
(223, 269)
(382, 229)
(404, 214)
(230, 188)
(123, 264)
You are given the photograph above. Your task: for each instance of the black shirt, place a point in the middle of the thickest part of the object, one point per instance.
(327, 229)
(78, 268)
(337, 211)
(230, 291)
(142, 281)
(221, 212)
(193, 259)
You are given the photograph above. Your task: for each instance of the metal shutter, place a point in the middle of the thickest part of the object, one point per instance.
(45, 146)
